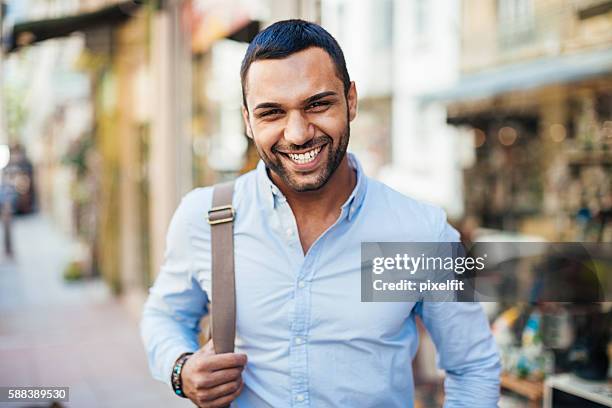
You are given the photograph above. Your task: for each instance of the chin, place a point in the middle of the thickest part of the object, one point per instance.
(305, 188)
(301, 186)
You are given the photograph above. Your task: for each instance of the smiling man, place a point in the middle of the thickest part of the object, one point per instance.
(304, 338)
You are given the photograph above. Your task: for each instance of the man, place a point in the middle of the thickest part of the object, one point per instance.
(300, 219)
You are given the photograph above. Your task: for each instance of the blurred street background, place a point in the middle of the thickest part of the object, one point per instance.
(76, 335)
(500, 111)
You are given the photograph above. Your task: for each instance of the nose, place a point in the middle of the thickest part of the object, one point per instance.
(298, 129)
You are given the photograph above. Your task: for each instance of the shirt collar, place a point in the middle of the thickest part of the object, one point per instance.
(266, 187)
(272, 194)
(353, 203)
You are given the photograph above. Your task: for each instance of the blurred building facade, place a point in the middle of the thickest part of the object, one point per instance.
(97, 178)
(428, 154)
(536, 91)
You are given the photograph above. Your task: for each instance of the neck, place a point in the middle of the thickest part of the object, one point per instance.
(325, 201)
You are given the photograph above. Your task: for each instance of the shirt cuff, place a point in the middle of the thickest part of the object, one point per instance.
(172, 355)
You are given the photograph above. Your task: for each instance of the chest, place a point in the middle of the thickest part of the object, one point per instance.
(281, 292)
(311, 228)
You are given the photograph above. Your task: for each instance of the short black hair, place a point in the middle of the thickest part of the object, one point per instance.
(287, 37)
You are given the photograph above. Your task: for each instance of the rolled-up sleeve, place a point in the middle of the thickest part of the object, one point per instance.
(176, 302)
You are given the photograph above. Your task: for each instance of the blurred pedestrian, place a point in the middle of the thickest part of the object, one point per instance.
(8, 196)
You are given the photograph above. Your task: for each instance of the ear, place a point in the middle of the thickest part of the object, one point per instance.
(247, 125)
(351, 99)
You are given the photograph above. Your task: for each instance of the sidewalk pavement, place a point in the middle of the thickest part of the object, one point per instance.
(54, 333)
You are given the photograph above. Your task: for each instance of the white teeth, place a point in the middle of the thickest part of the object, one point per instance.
(304, 158)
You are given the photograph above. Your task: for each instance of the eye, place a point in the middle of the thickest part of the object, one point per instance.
(271, 112)
(318, 106)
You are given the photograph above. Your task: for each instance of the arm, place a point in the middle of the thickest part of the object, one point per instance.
(465, 345)
(466, 351)
(176, 303)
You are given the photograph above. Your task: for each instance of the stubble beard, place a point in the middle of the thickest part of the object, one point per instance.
(292, 180)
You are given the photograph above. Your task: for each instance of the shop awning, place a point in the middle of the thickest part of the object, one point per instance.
(29, 32)
(528, 75)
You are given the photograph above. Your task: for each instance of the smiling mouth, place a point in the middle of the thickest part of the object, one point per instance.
(306, 157)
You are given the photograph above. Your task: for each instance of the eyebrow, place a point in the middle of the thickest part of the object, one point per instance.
(318, 96)
(310, 99)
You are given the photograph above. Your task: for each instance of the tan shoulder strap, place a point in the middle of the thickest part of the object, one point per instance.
(221, 220)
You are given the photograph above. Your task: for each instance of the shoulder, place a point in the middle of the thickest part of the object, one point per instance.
(199, 199)
(195, 203)
(427, 221)
(393, 201)
(190, 216)
(194, 206)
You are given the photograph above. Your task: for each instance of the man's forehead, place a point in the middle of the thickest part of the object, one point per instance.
(301, 74)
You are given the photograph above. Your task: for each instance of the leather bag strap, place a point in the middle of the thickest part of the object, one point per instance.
(221, 220)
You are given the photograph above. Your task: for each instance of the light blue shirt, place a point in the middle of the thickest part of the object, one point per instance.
(309, 339)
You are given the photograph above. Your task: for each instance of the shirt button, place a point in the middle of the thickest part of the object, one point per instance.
(301, 284)
(299, 340)
(289, 232)
(299, 397)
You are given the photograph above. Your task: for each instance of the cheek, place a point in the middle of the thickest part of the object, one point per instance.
(265, 137)
(331, 125)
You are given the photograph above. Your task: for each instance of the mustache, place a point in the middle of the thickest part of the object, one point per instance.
(317, 141)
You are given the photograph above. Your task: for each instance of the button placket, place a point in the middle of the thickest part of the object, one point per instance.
(298, 348)
(288, 226)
